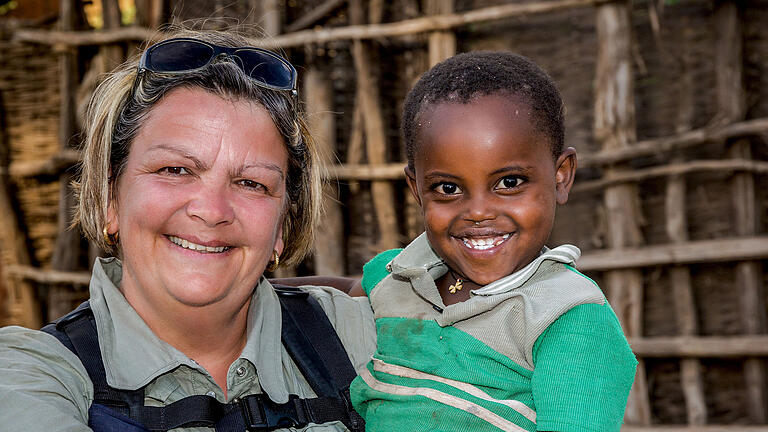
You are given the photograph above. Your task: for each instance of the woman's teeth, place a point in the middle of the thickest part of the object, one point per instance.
(196, 247)
(483, 244)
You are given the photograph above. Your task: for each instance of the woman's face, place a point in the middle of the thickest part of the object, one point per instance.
(200, 202)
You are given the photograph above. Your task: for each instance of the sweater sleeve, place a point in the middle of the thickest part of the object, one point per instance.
(583, 371)
(376, 269)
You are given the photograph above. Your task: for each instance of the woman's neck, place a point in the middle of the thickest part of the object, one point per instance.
(212, 335)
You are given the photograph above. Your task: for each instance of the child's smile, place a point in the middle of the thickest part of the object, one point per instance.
(487, 184)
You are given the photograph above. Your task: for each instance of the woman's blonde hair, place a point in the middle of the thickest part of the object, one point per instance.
(120, 105)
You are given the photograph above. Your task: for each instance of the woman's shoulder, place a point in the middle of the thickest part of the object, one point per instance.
(351, 317)
(49, 383)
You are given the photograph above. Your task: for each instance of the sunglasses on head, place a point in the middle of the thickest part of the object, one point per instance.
(181, 55)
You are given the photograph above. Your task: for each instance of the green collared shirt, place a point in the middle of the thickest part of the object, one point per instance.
(44, 387)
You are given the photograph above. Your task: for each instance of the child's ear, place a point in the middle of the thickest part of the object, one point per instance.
(565, 175)
(410, 178)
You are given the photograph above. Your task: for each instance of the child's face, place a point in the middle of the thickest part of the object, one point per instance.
(487, 185)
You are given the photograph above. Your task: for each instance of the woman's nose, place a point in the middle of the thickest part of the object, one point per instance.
(211, 204)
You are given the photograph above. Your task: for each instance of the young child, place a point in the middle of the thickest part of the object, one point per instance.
(480, 326)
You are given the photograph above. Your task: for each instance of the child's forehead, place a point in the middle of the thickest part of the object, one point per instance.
(493, 131)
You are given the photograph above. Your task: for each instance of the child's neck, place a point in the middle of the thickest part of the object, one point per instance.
(454, 289)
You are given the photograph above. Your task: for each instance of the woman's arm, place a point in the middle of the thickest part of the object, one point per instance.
(348, 285)
(43, 386)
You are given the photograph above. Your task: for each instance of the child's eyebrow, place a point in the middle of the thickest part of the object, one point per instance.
(513, 168)
(439, 174)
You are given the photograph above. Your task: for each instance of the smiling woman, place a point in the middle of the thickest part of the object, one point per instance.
(198, 173)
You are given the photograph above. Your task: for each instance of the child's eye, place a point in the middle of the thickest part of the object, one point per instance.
(176, 171)
(446, 189)
(510, 182)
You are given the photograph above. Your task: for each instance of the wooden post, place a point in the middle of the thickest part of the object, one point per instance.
(375, 135)
(67, 248)
(329, 244)
(269, 16)
(749, 277)
(615, 128)
(20, 299)
(680, 276)
(442, 43)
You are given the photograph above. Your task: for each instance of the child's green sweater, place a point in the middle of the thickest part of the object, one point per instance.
(544, 353)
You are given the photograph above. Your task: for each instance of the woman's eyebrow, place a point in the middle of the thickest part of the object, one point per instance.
(261, 165)
(199, 164)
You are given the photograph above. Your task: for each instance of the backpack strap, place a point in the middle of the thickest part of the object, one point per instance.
(309, 338)
(315, 347)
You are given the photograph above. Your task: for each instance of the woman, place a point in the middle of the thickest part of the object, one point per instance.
(199, 174)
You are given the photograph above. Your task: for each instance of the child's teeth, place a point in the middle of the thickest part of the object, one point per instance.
(482, 244)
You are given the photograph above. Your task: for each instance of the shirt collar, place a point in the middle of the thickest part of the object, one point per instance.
(418, 258)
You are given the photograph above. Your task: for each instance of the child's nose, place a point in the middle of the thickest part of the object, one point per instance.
(479, 209)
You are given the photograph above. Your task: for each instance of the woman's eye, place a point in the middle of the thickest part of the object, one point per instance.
(510, 182)
(447, 189)
(174, 170)
(250, 184)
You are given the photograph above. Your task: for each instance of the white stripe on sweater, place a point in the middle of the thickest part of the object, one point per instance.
(444, 398)
(402, 371)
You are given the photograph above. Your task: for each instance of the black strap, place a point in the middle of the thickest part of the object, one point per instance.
(308, 337)
(306, 333)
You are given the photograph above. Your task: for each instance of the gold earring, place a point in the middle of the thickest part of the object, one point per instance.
(110, 239)
(272, 266)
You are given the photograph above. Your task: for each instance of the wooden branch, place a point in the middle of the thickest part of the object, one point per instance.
(49, 276)
(701, 346)
(371, 31)
(661, 146)
(701, 251)
(83, 38)
(51, 166)
(674, 169)
(391, 171)
(317, 13)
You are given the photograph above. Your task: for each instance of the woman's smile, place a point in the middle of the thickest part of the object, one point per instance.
(202, 248)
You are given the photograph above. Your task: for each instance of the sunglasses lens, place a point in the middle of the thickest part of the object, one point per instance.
(177, 56)
(266, 69)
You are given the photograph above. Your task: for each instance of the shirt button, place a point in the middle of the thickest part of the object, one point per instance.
(211, 393)
(241, 371)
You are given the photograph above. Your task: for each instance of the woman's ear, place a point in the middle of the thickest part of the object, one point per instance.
(410, 178)
(279, 242)
(113, 222)
(565, 174)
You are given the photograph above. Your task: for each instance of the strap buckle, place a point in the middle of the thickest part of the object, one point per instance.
(261, 414)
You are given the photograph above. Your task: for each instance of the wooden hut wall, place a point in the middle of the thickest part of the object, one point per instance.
(671, 202)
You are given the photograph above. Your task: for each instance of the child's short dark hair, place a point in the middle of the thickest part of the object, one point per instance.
(464, 77)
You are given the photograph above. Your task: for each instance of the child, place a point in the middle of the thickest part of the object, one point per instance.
(480, 327)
